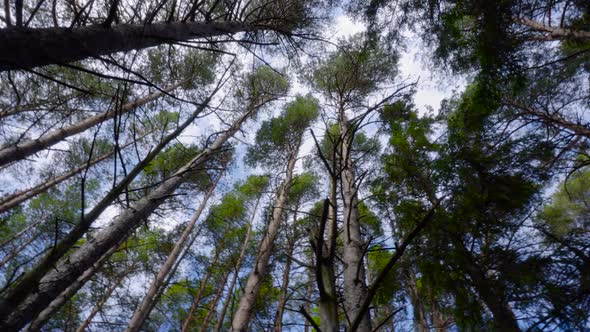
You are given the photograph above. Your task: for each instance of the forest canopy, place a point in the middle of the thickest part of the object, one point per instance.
(295, 165)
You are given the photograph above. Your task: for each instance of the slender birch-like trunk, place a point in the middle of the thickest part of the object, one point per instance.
(238, 264)
(151, 298)
(23, 150)
(283, 297)
(15, 199)
(26, 48)
(355, 287)
(98, 307)
(213, 306)
(252, 288)
(16, 313)
(200, 294)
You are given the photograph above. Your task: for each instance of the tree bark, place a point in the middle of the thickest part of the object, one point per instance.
(14, 316)
(246, 305)
(491, 294)
(70, 291)
(26, 48)
(355, 287)
(237, 269)
(150, 299)
(98, 307)
(200, 294)
(30, 281)
(13, 200)
(284, 296)
(213, 306)
(23, 150)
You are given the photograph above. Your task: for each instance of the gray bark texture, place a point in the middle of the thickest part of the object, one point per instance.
(252, 288)
(26, 48)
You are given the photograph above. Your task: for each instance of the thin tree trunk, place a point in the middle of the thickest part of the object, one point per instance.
(149, 300)
(70, 291)
(491, 294)
(201, 293)
(15, 314)
(237, 269)
(98, 307)
(23, 150)
(26, 48)
(421, 324)
(355, 287)
(30, 281)
(15, 199)
(213, 307)
(328, 302)
(554, 33)
(15, 252)
(246, 305)
(283, 297)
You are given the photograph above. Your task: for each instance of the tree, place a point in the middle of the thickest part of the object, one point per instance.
(279, 138)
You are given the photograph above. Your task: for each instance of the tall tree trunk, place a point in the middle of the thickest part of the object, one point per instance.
(26, 48)
(213, 306)
(70, 291)
(30, 281)
(246, 305)
(237, 269)
(283, 296)
(98, 307)
(420, 322)
(28, 148)
(328, 302)
(15, 314)
(15, 199)
(201, 293)
(491, 294)
(355, 287)
(149, 300)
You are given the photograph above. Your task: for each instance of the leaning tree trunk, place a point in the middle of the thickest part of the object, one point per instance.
(284, 296)
(7, 203)
(30, 281)
(70, 291)
(492, 295)
(23, 150)
(213, 306)
(252, 288)
(14, 316)
(237, 266)
(26, 48)
(98, 307)
(355, 287)
(201, 293)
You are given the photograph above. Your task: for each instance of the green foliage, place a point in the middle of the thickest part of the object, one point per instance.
(278, 137)
(356, 70)
(262, 85)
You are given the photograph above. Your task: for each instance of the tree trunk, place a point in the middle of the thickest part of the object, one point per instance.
(70, 291)
(150, 299)
(28, 148)
(492, 295)
(30, 281)
(15, 314)
(15, 199)
(26, 48)
(200, 294)
(246, 305)
(98, 307)
(420, 322)
(213, 307)
(237, 269)
(355, 287)
(328, 302)
(283, 297)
